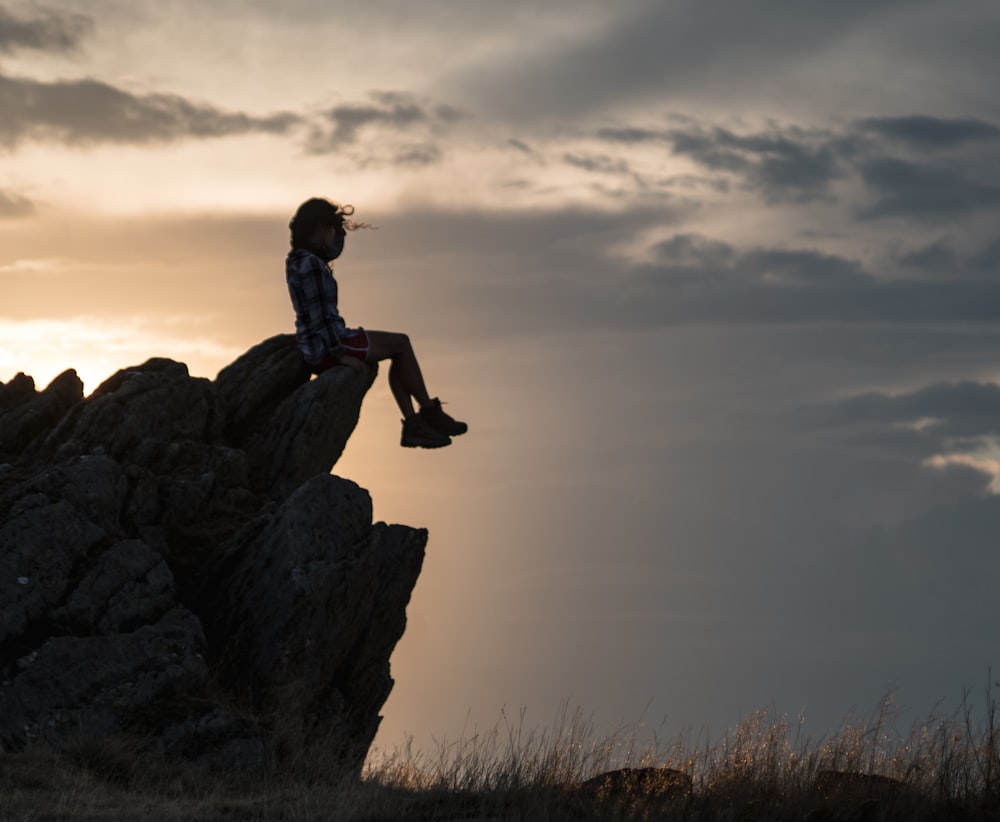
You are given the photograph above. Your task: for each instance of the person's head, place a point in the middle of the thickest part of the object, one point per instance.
(320, 226)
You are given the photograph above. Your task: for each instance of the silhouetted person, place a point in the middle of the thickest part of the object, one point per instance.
(319, 228)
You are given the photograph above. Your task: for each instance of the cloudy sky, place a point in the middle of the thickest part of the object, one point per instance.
(716, 285)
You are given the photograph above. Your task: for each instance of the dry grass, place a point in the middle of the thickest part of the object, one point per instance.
(944, 768)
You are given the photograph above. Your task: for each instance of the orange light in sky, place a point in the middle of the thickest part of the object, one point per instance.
(43, 349)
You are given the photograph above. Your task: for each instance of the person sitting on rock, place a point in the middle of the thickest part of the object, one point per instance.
(319, 228)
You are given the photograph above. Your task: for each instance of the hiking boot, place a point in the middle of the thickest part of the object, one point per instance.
(440, 421)
(417, 433)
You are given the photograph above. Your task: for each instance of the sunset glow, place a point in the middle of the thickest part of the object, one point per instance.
(720, 309)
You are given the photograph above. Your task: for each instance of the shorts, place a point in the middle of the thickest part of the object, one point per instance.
(354, 344)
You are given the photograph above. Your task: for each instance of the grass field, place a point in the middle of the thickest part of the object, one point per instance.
(944, 768)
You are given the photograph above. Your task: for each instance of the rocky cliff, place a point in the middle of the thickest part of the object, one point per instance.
(178, 565)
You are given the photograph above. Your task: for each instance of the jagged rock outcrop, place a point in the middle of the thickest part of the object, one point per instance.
(178, 564)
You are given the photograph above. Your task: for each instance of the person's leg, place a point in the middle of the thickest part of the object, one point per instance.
(431, 427)
(405, 378)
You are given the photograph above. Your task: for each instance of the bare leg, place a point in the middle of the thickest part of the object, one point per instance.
(405, 379)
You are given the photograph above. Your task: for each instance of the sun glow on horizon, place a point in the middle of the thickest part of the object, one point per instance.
(43, 349)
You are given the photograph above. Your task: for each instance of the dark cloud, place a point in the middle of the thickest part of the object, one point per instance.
(791, 165)
(85, 112)
(632, 135)
(702, 48)
(965, 409)
(46, 31)
(941, 258)
(657, 295)
(803, 267)
(565, 260)
(937, 257)
(561, 238)
(691, 258)
(601, 164)
(447, 113)
(394, 111)
(782, 164)
(14, 206)
(418, 155)
(695, 254)
(942, 425)
(520, 145)
(697, 280)
(923, 132)
(924, 191)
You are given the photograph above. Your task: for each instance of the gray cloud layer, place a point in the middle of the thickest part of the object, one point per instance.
(925, 191)
(928, 421)
(14, 206)
(904, 163)
(84, 112)
(940, 257)
(655, 49)
(88, 111)
(919, 131)
(397, 117)
(48, 31)
(703, 280)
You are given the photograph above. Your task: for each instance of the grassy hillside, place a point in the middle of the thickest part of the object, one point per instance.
(945, 768)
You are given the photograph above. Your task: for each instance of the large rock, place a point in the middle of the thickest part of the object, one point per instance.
(172, 546)
(311, 609)
(291, 428)
(26, 413)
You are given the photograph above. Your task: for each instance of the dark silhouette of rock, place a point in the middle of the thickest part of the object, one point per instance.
(290, 428)
(638, 784)
(863, 796)
(26, 413)
(832, 784)
(177, 563)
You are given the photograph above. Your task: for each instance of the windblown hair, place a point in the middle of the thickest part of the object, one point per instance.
(319, 213)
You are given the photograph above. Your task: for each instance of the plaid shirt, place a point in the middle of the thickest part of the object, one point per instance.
(318, 324)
